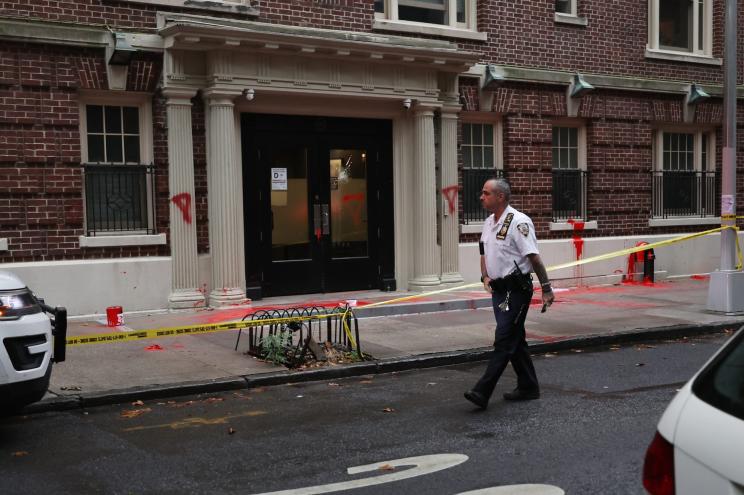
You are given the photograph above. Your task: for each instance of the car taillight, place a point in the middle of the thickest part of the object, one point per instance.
(17, 303)
(658, 468)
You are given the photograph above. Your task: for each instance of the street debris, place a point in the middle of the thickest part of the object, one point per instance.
(138, 403)
(333, 384)
(133, 413)
(640, 364)
(71, 388)
(386, 467)
(20, 453)
(388, 410)
(230, 431)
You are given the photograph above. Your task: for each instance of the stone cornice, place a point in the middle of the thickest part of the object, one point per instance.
(199, 33)
(69, 34)
(601, 81)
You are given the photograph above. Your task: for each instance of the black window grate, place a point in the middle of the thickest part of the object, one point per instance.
(119, 198)
(569, 195)
(472, 184)
(684, 194)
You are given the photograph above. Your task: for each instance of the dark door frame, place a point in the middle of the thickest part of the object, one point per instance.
(320, 133)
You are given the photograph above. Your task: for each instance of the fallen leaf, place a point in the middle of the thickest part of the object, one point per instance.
(386, 467)
(133, 413)
(138, 403)
(332, 384)
(366, 381)
(20, 453)
(213, 399)
(388, 409)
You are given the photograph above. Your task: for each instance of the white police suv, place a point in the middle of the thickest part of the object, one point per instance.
(32, 337)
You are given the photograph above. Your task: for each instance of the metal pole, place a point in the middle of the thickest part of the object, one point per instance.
(726, 289)
(728, 175)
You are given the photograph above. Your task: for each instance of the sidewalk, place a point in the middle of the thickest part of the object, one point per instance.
(441, 329)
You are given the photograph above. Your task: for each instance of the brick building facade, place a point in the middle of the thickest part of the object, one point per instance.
(135, 157)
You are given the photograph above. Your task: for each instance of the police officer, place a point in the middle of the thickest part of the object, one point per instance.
(508, 249)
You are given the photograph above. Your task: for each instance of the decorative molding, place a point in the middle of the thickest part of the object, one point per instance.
(680, 221)
(430, 29)
(334, 75)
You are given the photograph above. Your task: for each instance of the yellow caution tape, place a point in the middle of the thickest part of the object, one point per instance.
(236, 325)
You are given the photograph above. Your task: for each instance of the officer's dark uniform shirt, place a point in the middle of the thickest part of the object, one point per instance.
(506, 240)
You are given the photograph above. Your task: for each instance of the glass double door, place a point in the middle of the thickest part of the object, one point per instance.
(319, 198)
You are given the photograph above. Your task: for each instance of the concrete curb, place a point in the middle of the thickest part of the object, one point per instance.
(62, 403)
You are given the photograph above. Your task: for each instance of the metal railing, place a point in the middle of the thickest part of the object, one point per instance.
(472, 183)
(684, 194)
(119, 198)
(569, 194)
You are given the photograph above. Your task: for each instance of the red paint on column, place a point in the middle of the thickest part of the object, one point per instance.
(450, 194)
(183, 203)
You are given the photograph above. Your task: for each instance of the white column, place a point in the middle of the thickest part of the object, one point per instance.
(449, 186)
(426, 264)
(184, 268)
(225, 183)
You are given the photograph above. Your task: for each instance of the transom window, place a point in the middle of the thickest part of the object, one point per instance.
(452, 13)
(681, 25)
(113, 134)
(565, 148)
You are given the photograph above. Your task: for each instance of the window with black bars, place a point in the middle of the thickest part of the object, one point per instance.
(569, 182)
(119, 192)
(478, 165)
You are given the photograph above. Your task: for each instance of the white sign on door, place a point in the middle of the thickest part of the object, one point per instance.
(278, 179)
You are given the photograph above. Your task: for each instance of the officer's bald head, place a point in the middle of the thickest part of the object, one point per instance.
(500, 185)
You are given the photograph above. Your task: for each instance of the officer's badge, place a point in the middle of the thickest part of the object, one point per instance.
(524, 229)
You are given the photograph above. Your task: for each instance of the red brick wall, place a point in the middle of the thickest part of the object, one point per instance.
(41, 205)
(620, 129)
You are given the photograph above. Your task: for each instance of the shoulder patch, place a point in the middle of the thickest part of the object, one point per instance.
(524, 229)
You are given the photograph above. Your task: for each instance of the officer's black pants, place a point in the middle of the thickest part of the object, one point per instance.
(510, 344)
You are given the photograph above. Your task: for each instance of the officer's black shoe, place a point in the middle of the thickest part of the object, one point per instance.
(518, 394)
(476, 398)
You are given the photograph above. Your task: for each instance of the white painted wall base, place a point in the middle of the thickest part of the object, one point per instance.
(87, 287)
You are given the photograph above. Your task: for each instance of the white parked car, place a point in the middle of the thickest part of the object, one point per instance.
(698, 448)
(30, 341)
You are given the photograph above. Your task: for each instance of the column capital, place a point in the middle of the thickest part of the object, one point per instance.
(216, 95)
(424, 109)
(179, 96)
(451, 112)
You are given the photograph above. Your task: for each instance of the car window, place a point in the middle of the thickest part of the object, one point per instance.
(721, 383)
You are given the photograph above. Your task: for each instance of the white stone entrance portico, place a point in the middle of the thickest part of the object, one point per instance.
(242, 66)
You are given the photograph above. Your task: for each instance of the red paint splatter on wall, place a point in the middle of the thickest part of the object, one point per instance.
(183, 203)
(450, 194)
(578, 242)
(358, 200)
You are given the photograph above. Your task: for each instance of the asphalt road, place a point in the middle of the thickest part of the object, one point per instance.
(587, 434)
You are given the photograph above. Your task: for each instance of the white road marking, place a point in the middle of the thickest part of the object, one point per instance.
(422, 465)
(518, 490)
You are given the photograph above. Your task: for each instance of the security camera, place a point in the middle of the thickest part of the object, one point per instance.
(407, 103)
(250, 93)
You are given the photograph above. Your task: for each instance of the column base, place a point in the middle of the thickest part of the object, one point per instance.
(726, 292)
(452, 278)
(186, 299)
(424, 283)
(228, 297)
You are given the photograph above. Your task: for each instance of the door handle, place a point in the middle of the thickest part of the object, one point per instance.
(316, 219)
(326, 220)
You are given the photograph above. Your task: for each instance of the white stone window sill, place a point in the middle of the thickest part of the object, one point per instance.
(471, 228)
(560, 226)
(3, 244)
(419, 28)
(673, 222)
(682, 57)
(122, 240)
(570, 19)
